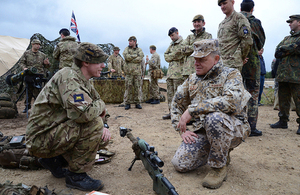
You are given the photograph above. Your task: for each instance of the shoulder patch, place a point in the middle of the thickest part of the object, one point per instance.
(78, 97)
(245, 30)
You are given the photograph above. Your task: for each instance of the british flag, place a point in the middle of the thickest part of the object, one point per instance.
(73, 26)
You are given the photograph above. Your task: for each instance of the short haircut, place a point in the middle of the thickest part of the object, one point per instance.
(214, 53)
(65, 32)
(247, 6)
(153, 47)
(78, 62)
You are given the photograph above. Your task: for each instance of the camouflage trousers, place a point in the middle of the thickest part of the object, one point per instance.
(133, 89)
(221, 132)
(286, 91)
(276, 101)
(154, 89)
(32, 92)
(252, 86)
(77, 143)
(172, 85)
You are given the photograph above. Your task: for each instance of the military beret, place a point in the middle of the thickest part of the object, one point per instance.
(153, 47)
(132, 38)
(198, 17)
(116, 49)
(64, 30)
(204, 47)
(88, 52)
(172, 30)
(292, 18)
(220, 1)
(35, 41)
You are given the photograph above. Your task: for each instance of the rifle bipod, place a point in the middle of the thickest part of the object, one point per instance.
(132, 163)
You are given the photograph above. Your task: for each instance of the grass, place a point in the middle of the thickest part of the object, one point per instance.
(267, 98)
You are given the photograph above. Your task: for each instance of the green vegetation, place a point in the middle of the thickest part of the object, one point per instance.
(267, 97)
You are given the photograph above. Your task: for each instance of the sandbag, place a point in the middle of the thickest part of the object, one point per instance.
(8, 109)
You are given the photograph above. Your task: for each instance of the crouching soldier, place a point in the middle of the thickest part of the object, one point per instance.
(216, 98)
(65, 125)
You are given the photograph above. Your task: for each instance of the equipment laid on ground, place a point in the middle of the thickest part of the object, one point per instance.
(151, 161)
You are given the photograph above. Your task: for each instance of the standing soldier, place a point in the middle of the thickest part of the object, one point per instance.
(251, 69)
(116, 63)
(234, 36)
(176, 60)
(133, 73)
(34, 58)
(288, 73)
(154, 64)
(199, 33)
(65, 49)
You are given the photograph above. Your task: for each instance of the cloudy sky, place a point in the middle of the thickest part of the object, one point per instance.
(114, 21)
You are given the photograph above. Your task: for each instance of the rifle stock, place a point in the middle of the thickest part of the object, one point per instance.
(151, 162)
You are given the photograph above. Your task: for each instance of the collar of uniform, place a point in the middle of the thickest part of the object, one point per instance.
(295, 34)
(177, 41)
(79, 72)
(230, 17)
(68, 38)
(198, 34)
(214, 71)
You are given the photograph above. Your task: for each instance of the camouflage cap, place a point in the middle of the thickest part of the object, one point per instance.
(220, 1)
(152, 47)
(292, 18)
(88, 52)
(35, 41)
(198, 17)
(172, 30)
(116, 49)
(132, 38)
(204, 47)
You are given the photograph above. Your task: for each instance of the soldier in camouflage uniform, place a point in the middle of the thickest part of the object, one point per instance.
(251, 69)
(66, 124)
(234, 34)
(154, 64)
(187, 49)
(65, 49)
(176, 59)
(288, 73)
(216, 98)
(34, 58)
(133, 73)
(116, 63)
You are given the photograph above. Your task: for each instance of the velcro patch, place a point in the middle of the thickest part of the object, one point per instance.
(78, 97)
(245, 30)
(90, 52)
(216, 85)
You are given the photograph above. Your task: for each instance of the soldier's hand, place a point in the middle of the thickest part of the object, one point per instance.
(245, 61)
(106, 135)
(188, 137)
(46, 61)
(185, 118)
(112, 70)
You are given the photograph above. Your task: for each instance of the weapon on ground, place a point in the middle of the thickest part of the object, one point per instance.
(144, 152)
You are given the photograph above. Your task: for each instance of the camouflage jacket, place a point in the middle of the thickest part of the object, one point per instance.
(288, 54)
(133, 58)
(251, 70)
(34, 59)
(220, 90)
(116, 63)
(175, 58)
(68, 95)
(187, 49)
(235, 40)
(65, 50)
(154, 62)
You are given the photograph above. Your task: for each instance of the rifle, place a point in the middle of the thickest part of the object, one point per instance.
(151, 161)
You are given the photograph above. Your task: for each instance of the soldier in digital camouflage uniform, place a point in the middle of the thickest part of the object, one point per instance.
(251, 69)
(154, 64)
(133, 73)
(116, 63)
(187, 49)
(66, 124)
(216, 98)
(65, 49)
(234, 35)
(34, 58)
(288, 73)
(176, 59)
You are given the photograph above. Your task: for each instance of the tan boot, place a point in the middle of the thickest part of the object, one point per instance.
(215, 177)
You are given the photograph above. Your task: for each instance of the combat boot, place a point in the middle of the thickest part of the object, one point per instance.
(54, 165)
(279, 125)
(215, 177)
(82, 181)
(149, 101)
(298, 131)
(156, 101)
(255, 132)
(168, 116)
(138, 106)
(127, 107)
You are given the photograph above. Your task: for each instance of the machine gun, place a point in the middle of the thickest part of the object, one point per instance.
(151, 161)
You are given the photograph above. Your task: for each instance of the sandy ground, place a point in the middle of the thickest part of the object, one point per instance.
(261, 165)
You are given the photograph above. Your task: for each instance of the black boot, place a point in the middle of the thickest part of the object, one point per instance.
(255, 132)
(82, 182)
(149, 101)
(279, 125)
(54, 165)
(138, 106)
(156, 101)
(127, 107)
(168, 116)
(298, 131)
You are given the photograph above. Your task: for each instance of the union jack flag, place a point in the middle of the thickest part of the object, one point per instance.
(73, 26)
